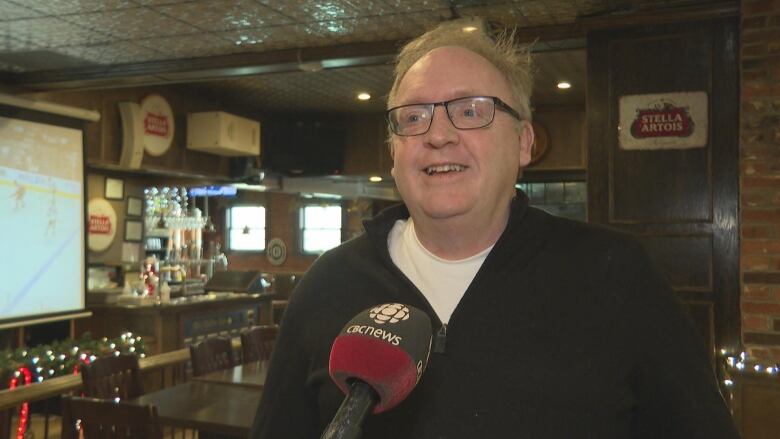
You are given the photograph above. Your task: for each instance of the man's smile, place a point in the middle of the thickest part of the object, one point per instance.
(444, 169)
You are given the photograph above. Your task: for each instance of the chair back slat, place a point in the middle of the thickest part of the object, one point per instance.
(257, 343)
(106, 419)
(211, 354)
(112, 377)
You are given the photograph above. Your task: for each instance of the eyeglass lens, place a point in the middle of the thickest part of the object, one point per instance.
(465, 113)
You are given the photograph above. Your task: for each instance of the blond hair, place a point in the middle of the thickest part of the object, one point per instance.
(513, 61)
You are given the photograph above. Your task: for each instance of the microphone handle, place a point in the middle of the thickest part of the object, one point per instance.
(348, 421)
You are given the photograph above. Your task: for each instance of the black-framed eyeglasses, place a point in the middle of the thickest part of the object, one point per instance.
(466, 113)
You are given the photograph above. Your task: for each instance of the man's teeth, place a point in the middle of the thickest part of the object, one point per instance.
(443, 168)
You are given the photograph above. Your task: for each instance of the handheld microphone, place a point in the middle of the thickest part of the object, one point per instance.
(377, 360)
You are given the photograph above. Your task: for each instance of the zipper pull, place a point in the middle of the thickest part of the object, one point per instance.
(440, 340)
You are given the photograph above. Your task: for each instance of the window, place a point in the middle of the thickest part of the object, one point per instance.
(246, 228)
(567, 199)
(320, 227)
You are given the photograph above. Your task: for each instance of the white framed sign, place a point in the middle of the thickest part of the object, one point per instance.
(663, 121)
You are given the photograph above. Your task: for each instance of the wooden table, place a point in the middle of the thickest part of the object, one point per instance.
(250, 375)
(225, 409)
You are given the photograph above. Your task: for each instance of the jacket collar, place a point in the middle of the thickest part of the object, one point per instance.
(378, 228)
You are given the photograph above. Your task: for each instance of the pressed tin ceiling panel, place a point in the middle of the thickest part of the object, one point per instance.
(11, 11)
(119, 34)
(221, 15)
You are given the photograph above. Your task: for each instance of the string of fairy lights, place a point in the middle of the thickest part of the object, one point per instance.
(24, 366)
(741, 363)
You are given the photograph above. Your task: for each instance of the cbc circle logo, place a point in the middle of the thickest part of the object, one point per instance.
(389, 313)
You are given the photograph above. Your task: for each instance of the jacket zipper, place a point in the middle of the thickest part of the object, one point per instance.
(440, 337)
(440, 340)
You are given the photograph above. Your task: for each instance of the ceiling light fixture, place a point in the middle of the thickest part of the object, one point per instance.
(563, 85)
(469, 28)
(363, 96)
(310, 66)
(375, 178)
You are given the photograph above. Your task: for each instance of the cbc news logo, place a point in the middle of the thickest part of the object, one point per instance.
(389, 313)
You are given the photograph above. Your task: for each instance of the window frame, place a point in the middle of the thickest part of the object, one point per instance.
(308, 202)
(228, 228)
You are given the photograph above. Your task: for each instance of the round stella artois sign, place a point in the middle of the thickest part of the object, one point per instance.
(157, 120)
(101, 224)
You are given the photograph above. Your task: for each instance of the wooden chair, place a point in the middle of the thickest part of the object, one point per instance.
(104, 418)
(257, 343)
(112, 377)
(211, 354)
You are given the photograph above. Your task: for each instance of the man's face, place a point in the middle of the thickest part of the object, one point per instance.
(449, 173)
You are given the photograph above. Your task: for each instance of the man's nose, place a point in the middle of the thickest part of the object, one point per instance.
(442, 132)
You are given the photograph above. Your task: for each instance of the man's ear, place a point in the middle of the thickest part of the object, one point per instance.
(526, 141)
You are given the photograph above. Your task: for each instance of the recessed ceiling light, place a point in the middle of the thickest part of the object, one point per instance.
(310, 66)
(363, 96)
(375, 178)
(563, 85)
(469, 28)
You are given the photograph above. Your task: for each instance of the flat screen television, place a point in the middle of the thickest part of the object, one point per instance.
(42, 218)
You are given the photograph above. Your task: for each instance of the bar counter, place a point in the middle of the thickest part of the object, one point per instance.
(166, 327)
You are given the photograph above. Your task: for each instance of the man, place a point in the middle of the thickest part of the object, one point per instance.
(545, 328)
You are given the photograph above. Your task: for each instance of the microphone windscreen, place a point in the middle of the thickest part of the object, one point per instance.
(385, 346)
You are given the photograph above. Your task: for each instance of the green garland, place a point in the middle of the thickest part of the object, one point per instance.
(64, 357)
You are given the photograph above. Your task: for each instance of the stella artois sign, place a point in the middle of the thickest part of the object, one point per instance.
(157, 122)
(663, 121)
(101, 224)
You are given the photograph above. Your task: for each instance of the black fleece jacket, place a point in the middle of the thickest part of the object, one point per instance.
(567, 331)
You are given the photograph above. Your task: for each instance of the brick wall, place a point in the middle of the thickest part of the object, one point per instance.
(760, 177)
(281, 222)
(282, 212)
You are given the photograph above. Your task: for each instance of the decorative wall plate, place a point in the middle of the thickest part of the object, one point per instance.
(276, 251)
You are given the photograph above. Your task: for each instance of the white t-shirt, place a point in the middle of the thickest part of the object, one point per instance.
(441, 281)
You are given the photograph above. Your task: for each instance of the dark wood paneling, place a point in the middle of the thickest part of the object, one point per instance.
(103, 139)
(686, 260)
(566, 130)
(366, 151)
(756, 403)
(683, 203)
(724, 133)
(703, 317)
(645, 186)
